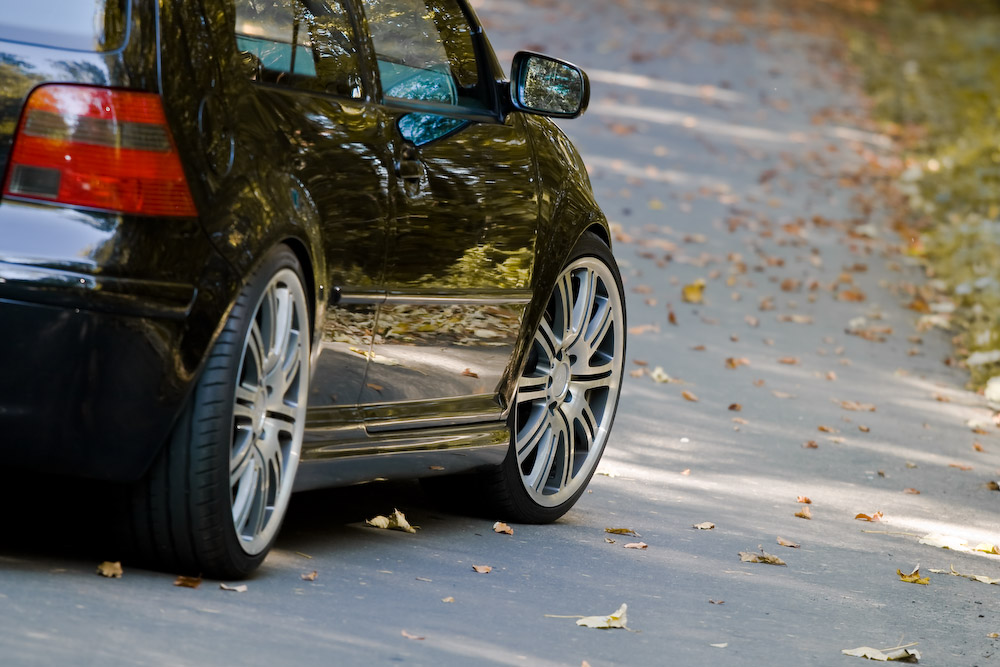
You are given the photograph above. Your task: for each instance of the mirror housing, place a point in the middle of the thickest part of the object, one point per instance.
(548, 86)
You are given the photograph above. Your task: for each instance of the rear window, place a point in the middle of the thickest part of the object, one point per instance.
(79, 25)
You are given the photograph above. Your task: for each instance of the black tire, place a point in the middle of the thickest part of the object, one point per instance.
(182, 512)
(530, 490)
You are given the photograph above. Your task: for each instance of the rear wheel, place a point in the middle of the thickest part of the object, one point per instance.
(215, 498)
(567, 393)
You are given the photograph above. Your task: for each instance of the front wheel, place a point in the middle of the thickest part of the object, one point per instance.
(215, 498)
(567, 393)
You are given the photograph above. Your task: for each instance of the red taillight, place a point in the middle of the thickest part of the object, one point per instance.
(101, 148)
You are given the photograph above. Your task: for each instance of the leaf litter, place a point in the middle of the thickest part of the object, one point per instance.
(762, 557)
(395, 521)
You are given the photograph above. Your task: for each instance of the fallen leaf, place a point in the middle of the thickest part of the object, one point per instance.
(913, 577)
(885, 655)
(827, 429)
(994, 635)
(864, 429)
(735, 362)
(694, 292)
(686, 471)
(735, 407)
(941, 398)
(762, 557)
(501, 527)
(448, 599)
(309, 576)
(615, 620)
(877, 516)
(810, 444)
(636, 545)
(659, 375)
(482, 569)
(688, 396)
(752, 321)
(804, 500)
(993, 485)
(945, 542)
(787, 543)
(622, 531)
(609, 540)
(711, 601)
(671, 317)
(782, 394)
(976, 446)
(412, 636)
(722, 645)
(239, 588)
(804, 513)
(856, 406)
(960, 466)
(974, 577)
(395, 521)
(110, 569)
(987, 548)
(705, 525)
(187, 582)
(790, 361)
(469, 373)
(911, 491)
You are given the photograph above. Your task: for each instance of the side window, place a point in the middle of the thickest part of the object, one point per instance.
(425, 51)
(304, 44)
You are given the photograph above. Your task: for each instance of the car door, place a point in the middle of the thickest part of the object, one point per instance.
(460, 253)
(314, 100)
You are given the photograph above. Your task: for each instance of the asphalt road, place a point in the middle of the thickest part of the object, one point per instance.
(730, 153)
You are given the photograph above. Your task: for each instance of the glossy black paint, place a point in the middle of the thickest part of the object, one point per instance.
(441, 256)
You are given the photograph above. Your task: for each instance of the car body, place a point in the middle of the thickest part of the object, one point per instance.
(317, 183)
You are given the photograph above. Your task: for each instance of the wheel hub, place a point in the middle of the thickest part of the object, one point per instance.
(560, 381)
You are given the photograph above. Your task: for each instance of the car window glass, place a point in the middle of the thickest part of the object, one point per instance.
(425, 51)
(305, 44)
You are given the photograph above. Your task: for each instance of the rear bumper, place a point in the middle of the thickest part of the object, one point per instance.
(104, 324)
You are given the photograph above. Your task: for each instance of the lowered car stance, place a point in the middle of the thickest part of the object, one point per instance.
(250, 247)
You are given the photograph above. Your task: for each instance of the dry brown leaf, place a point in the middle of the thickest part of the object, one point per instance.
(622, 531)
(790, 361)
(895, 654)
(469, 373)
(704, 525)
(501, 527)
(694, 292)
(735, 407)
(854, 295)
(993, 485)
(110, 569)
(309, 576)
(448, 599)
(877, 516)
(412, 636)
(609, 540)
(827, 429)
(482, 569)
(699, 348)
(960, 466)
(856, 406)
(974, 577)
(752, 321)
(187, 582)
(688, 396)
(911, 491)
(762, 557)
(940, 398)
(711, 601)
(913, 577)
(636, 545)
(804, 513)
(810, 444)
(864, 429)
(787, 543)
(395, 521)
(735, 362)
(804, 500)
(238, 588)
(671, 317)
(976, 446)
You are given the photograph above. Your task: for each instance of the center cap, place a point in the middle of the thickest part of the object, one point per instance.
(259, 410)
(560, 380)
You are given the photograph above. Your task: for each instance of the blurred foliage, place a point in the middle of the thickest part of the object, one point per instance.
(932, 69)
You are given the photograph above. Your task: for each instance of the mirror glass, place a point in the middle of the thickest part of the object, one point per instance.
(550, 86)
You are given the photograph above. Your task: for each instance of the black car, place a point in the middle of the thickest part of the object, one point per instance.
(249, 247)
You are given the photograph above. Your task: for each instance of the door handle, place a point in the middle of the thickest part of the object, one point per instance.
(408, 166)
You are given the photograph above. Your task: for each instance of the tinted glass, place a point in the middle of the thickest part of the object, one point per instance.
(80, 25)
(425, 51)
(306, 44)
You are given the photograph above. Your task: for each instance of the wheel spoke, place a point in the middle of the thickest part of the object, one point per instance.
(258, 352)
(563, 297)
(547, 341)
(530, 389)
(242, 454)
(598, 327)
(582, 306)
(531, 435)
(246, 487)
(543, 460)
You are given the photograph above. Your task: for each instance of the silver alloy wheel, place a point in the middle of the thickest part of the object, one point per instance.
(568, 392)
(269, 411)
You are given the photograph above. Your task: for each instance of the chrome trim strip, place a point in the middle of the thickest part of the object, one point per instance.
(493, 434)
(519, 297)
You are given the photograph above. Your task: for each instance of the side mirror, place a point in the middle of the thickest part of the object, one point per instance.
(548, 86)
